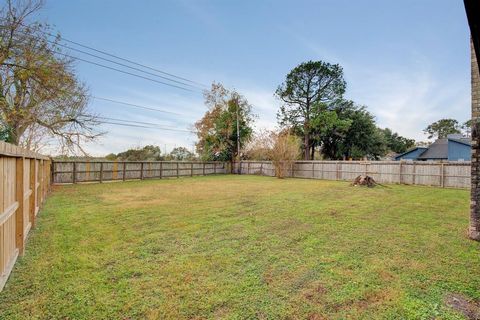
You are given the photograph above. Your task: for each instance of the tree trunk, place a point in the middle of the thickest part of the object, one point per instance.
(307, 144)
(474, 229)
(15, 136)
(312, 157)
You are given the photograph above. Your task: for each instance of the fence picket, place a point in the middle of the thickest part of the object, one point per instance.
(21, 193)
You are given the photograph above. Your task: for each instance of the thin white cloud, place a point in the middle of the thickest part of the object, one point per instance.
(265, 106)
(405, 97)
(408, 99)
(202, 12)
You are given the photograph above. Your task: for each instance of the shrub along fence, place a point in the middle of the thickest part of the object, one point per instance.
(441, 174)
(25, 180)
(100, 171)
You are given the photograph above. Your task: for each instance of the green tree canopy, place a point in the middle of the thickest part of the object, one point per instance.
(217, 130)
(363, 138)
(147, 153)
(310, 83)
(441, 128)
(395, 142)
(181, 154)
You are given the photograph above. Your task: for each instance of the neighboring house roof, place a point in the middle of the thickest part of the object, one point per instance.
(409, 151)
(437, 150)
(463, 140)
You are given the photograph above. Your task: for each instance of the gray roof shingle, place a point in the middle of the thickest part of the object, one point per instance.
(437, 150)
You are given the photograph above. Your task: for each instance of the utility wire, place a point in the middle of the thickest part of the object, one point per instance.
(135, 105)
(123, 71)
(118, 57)
(127, 66)
(118, 63)
(138, 122)
(142, 126)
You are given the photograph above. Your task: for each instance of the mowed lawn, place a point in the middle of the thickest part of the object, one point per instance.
(245, 247)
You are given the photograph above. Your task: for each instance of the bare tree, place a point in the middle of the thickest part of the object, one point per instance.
(282, 148)
(284, 152)
(260, 146)
(40, 96)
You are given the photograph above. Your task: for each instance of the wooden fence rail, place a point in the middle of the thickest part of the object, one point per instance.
(441, 174)
(101, 171)
(25, 182)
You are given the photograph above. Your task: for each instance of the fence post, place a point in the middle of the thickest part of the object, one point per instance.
(191, 169)
(47, 176)
(261, 168)
(214, 168)
(39, 165)
(161, 170)
(400, 172)
(313, 170)
(87, 171)
(124, 173)
(101, 172)
(74, 173)
(49, 183)
(40, 185)
(177, 171)
(442, 175)
(52, 175)
(115, 170)
(141, 171)
(337, 175)
(19, 197)
(248, 167)
(414, 173)
(33, 188)
(203, 168)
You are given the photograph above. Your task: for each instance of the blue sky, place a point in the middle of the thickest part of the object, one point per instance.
(407, 61)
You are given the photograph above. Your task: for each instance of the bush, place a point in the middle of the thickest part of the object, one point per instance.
(285, 150)
(282, 148)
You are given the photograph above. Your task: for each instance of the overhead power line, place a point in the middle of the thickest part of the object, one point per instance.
(144, 126)
(136, 105)
(138, 122)
(120, 64)
(121, 58)
(130, 61)
(125, 72)
(130, 67)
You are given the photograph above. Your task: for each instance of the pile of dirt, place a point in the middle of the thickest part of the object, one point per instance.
(470, 309)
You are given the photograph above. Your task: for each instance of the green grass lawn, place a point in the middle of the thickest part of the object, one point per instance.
(245, 247)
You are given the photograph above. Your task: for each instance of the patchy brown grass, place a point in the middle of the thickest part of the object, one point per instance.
(246, 247)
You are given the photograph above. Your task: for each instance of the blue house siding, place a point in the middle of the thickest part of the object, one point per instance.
(411, 155)
(458, 151)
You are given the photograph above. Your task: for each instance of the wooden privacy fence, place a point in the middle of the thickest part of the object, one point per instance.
(441, 174)
(25, 182)
(100, 171)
